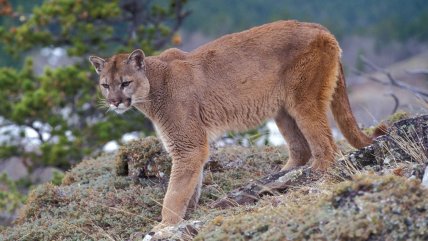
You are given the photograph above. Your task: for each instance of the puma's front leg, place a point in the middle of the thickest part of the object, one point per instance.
(187, 167)
(193, 203)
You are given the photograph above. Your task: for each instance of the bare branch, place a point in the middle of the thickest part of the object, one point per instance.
(180, 15)
(396, 101)
(394, 82)
(418, 71)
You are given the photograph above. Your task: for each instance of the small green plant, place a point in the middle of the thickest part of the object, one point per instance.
(57, 178)
(10, 196)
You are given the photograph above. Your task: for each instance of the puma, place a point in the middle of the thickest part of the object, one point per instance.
(287, 70)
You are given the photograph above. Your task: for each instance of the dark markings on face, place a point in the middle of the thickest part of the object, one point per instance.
(112, 76)
(113, 69)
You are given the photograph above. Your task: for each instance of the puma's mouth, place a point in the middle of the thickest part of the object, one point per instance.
(121, 108)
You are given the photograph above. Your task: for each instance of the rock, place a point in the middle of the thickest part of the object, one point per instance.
(406, 140)
(425, 178)
(43, 174)
(14, 167)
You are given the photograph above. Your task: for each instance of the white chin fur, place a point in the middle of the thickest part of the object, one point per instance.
(120, 110)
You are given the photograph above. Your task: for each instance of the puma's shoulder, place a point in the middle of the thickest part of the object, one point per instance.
(172, 54)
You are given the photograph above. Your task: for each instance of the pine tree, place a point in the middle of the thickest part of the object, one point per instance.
(60, 105)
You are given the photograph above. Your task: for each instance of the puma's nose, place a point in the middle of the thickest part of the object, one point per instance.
(115, 102)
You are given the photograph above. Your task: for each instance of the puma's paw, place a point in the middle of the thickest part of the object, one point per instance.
(158, 232)
(292, 164)
(181, 231)
(158, 227)
(321, 166)
(288, 167)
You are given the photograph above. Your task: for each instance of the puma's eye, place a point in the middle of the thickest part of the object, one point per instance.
(105, 86)
(124, 84)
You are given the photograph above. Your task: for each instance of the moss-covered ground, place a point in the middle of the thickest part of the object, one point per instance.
(368, 208)
(95, 203)
(103, 199)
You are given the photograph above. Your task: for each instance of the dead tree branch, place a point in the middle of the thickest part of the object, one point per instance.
(393, 81)
(396, 103)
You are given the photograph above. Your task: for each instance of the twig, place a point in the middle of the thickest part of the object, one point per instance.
(396, 101)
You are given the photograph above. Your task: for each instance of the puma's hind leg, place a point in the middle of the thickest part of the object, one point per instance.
(314, 126)
(308, 97)
(298, 148)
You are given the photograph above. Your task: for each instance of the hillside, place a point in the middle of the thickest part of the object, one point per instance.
(385, 20)
(117, 197)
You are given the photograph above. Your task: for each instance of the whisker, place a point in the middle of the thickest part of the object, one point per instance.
(134, 110)
(134, 101)
(102, 106)
(102, 103)
(107, 110)
(141, 98)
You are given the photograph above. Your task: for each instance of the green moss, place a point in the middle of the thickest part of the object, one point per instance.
(397, 116)
(10, 196)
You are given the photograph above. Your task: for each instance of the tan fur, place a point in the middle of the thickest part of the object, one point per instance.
(286, 70)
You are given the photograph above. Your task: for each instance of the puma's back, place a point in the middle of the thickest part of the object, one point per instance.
(250, 73)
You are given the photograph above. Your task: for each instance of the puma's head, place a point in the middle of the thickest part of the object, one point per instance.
(123, 80)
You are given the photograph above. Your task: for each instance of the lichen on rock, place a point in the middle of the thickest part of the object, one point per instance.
(406, 140)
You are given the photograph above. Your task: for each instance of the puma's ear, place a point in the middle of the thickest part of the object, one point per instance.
(97, 62)
(136, 58)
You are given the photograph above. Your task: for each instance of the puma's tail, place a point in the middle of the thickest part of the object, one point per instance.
(343, 115)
